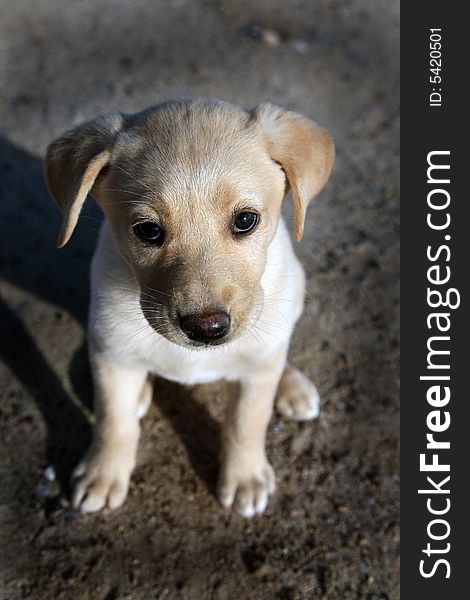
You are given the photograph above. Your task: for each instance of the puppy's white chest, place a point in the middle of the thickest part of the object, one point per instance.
(200, 368)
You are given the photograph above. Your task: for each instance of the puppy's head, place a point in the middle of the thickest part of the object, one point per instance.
(192, 191)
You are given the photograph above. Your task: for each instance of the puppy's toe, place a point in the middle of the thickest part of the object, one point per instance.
(98, 485)
(245, 499)
(297, 397)
(248, 493)
(94, 497)
(117, 494)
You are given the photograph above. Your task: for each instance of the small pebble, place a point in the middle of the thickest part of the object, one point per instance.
(300, 46)
(271, 38)
(255, 32)
(49, 473)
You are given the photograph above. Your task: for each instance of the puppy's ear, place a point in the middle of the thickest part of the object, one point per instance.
(304, 150)
(72, 164)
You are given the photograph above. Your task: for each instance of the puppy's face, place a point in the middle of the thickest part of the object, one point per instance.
(194, 217)
(193, 193)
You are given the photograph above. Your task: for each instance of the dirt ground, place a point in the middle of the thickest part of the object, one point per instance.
(332, 528)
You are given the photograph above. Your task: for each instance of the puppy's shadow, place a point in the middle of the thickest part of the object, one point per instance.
(30, 263)
(81, 378)
(192, 422)
(67, 430)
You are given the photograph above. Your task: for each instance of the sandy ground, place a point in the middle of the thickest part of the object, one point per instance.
(331, 530)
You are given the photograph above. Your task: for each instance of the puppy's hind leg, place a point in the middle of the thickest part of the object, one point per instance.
(102, 478)
(297, 397)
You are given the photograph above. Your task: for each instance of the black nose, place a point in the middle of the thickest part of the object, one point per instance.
(207, 326)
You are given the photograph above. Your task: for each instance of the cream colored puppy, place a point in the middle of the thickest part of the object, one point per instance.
(194, 277)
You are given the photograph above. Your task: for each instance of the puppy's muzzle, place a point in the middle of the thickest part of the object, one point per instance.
(206, 327)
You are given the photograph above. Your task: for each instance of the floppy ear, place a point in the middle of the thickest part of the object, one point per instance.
(304, 150)
(72, 164)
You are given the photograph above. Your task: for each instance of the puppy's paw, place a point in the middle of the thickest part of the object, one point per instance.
(246, 489)
(100, 480)
(297, 397)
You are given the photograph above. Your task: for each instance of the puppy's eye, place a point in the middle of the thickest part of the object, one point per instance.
(149, 232)
(245, 221)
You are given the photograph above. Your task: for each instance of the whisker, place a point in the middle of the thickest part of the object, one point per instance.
(270, 324)
(281, 314)
(158, 291)
(267, 332)
(131, 319)
(256, 335)
(146, 337)
(134, 178)
(90, 218)
(273, 292)
(142, 329)
(124, 191)
(139, 291)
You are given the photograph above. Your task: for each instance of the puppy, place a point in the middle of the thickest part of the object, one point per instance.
(194, 277)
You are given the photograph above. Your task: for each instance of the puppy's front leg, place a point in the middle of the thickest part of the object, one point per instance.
(102, 478)
(247, 478)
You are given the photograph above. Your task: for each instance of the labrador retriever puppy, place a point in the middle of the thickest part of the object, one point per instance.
(194, 277)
